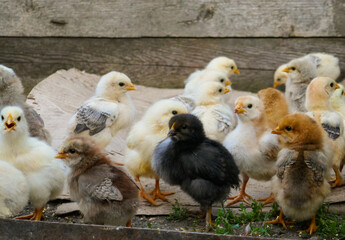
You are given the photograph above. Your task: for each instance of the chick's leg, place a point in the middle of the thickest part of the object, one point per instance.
(156, 193)
(129, 223)
(280, 219)
(241, 197)
(312, 227)
(208, 219)
(268, 200)
(143, 194)
(38, 215)
(338, 181)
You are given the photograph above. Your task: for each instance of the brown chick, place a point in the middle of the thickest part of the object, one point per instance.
(105, 194)
(300, 185)
(275, 105)
(12, 93)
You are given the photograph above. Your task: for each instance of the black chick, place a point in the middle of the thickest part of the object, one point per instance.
(202, 167)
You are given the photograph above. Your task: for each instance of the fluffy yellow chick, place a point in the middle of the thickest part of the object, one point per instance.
(144, 137)
(252, 145)
(275, 105)
(300, 185)
(110, 110)
(223, 64)
(217, 117)
(280, 77)
(318, 94)
(327, 65)
(44, 174)
(14, 190)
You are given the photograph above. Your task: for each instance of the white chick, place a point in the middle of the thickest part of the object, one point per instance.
(280, 77)
(191, 86)
(327, 65)
(144, 137)
(216, 116)
(252, 144)
(14, 190)
(301, 71)
(104, 114)
(318, 104)
(44, 174)
(338, 100)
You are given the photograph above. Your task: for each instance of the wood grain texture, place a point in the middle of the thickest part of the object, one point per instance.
(160, 62)
(172, 18)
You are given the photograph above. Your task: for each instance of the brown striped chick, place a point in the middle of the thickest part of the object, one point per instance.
(217, 117)
(252, 144)
(275, 105)
(318, 103)
(12, 93)
(280, 77)
(110, 110)
(44, 174)
(14, 190)
(144, 137)
(300, 185)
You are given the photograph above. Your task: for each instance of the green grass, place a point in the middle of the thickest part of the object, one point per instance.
(330, 225)
(178, 213)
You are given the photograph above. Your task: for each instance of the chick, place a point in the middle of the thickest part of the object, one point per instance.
(327, 65)
(104, 114)
(216, 116)
(207, 75)
(14, 190)
(338, 100)
(300, 185)
(142, 140)
(280, 77)
(318, 103)
(44, 174)
(251, 144)
(301, 71)
(105, 194)
(202, 167)
(12, 93)
(275, 105)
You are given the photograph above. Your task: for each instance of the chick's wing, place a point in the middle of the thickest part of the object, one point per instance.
(317, 162)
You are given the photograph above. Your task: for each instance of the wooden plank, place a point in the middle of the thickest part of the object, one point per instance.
(160, 62)
(172, 18)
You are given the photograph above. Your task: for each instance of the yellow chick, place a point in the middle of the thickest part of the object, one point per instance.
(44, 174)
(14, 190)
(327, 65)
(110, 110)
(217, 117)
(280, 77)
(300, 185)
(318, 94)
(223, 64)
(144, 137)
(251, 144)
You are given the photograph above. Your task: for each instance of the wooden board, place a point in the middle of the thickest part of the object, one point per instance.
(172, 18)
(160, 62)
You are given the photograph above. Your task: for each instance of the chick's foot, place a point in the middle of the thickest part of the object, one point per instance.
(280, 220)
(268, 200)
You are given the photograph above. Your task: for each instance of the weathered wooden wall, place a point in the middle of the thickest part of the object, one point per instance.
(159, 42)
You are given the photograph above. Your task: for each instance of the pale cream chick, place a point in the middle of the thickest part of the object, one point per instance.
(44, 174)
(251, 143)
(14, 190)
(318, 94)
(300, 185)
(144, 137)
(110, 110)
(216, 116)
(280, 77)
(327, 65)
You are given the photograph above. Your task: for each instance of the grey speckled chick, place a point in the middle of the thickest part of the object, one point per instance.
(12, 93)
(105, 194)
(301, 71)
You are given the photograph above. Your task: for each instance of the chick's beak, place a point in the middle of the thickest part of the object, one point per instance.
(276, 131)
(239, 109)
(10, 124)
(228, 83)
(61, 155)
(226, 90)
(237, 71)
(172, 130)
(276, 84)
(287, 70)
(337, 86)
(131, 87)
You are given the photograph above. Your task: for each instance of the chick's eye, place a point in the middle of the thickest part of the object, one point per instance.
(121, 84)
(18, 119)
(184, 126)
(174, 112)
(288, 128)
(232, 67)
(250, 105)
(278, 79)
(293, 68)
(220, 90)
(222, 80)
(2, 117)
(72, 151)
(331, 85)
